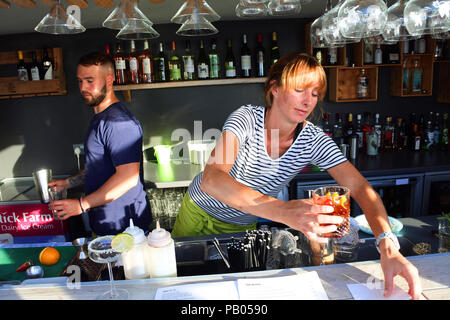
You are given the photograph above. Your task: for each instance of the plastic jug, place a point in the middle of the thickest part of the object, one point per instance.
(161, 259)
(135, 260)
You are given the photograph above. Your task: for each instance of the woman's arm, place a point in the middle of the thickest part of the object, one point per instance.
(392, 261)
(301, 215)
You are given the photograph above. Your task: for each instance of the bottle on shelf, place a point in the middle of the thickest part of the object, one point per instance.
(359, 131)
(214, 62)
(202, 63)
(417, 77)
(444, 145)
(120, 65)
(326, 124)
(406, 76)
(388, 134)
(174, 63)
(338, 130)
(436, 130)
(332, 56)
(34, 67)
(47, 66)
(160, 62)
(371, 142)
(22, 71)
(274, 50)
(367, 127)
(260, 57)
(378, 55)
(393, 54)
(415, 137)
(405, 46)
(420, 45)
(188, 63)
(230, 61)
(349, 129)
(438, 52)
(428, 137)
(246, 58)
(368, 52)
(363, 85)
(378, 131)
(399, 134)
(132, 59)
(421, 130)
(145, 59)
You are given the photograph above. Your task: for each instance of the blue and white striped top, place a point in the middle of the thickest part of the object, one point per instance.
(256, 169)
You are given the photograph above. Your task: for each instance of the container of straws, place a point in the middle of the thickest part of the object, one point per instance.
(250, 253)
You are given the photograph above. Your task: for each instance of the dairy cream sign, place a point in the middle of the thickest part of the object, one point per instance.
(29, 220)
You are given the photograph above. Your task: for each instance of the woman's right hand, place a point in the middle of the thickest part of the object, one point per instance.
(309, 218)
(59, 184)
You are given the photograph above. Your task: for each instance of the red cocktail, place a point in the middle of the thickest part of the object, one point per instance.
(339, 199)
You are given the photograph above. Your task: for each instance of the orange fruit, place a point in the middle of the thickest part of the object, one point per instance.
(49, 256)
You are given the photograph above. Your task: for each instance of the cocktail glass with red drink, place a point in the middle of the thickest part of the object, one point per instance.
(339, 198)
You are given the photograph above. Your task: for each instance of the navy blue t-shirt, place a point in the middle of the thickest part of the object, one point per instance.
(115, 138)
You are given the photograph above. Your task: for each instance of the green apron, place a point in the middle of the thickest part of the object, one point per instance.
(194, 221)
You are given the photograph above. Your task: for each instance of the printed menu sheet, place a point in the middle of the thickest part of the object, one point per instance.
(305, 286)
(362, 291)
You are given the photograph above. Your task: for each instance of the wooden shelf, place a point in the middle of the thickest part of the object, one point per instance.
(11, 87)
(127, 88)
(344, 83)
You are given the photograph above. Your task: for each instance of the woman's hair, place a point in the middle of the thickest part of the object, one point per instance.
(294, 71)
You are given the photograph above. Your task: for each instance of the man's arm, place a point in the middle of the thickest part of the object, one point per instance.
(77, 180)
(125, 178)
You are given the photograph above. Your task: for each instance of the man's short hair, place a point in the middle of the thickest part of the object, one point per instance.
(97, 59)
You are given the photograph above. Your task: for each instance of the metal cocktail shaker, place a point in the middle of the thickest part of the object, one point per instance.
(41, 179)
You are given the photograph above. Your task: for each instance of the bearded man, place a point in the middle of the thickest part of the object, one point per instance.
(113, 174)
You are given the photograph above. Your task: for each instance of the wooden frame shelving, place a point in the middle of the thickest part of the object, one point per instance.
(127, 88)
(11, 87)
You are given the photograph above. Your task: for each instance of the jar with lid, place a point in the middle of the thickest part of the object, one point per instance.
(135, 260)
(161, 253)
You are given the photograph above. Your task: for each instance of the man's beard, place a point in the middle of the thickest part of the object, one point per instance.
(93, 102)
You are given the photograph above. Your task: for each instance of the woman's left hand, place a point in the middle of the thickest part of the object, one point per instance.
(394, 263)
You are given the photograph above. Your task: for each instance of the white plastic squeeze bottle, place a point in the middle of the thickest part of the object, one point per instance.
(135, 260)
(162, 261)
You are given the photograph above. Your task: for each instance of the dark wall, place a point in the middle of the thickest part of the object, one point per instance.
(39, 132)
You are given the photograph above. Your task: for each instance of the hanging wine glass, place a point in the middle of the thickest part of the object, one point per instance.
(427, 17)
(331, 32)
(246, 10)
(395, 29)
(362, 18)
(284, 7)
(316, 32)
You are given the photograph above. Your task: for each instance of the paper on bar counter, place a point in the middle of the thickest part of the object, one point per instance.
(362, 291)
(221, 290)
(303, 286)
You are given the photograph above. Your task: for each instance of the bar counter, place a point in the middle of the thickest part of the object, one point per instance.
(434, 270)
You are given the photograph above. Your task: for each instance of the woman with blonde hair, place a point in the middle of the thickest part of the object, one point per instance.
(262, 149)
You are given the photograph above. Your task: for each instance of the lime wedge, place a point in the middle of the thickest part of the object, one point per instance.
(122, 242)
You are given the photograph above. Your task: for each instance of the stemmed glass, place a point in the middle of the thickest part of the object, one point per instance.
(100, 251)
